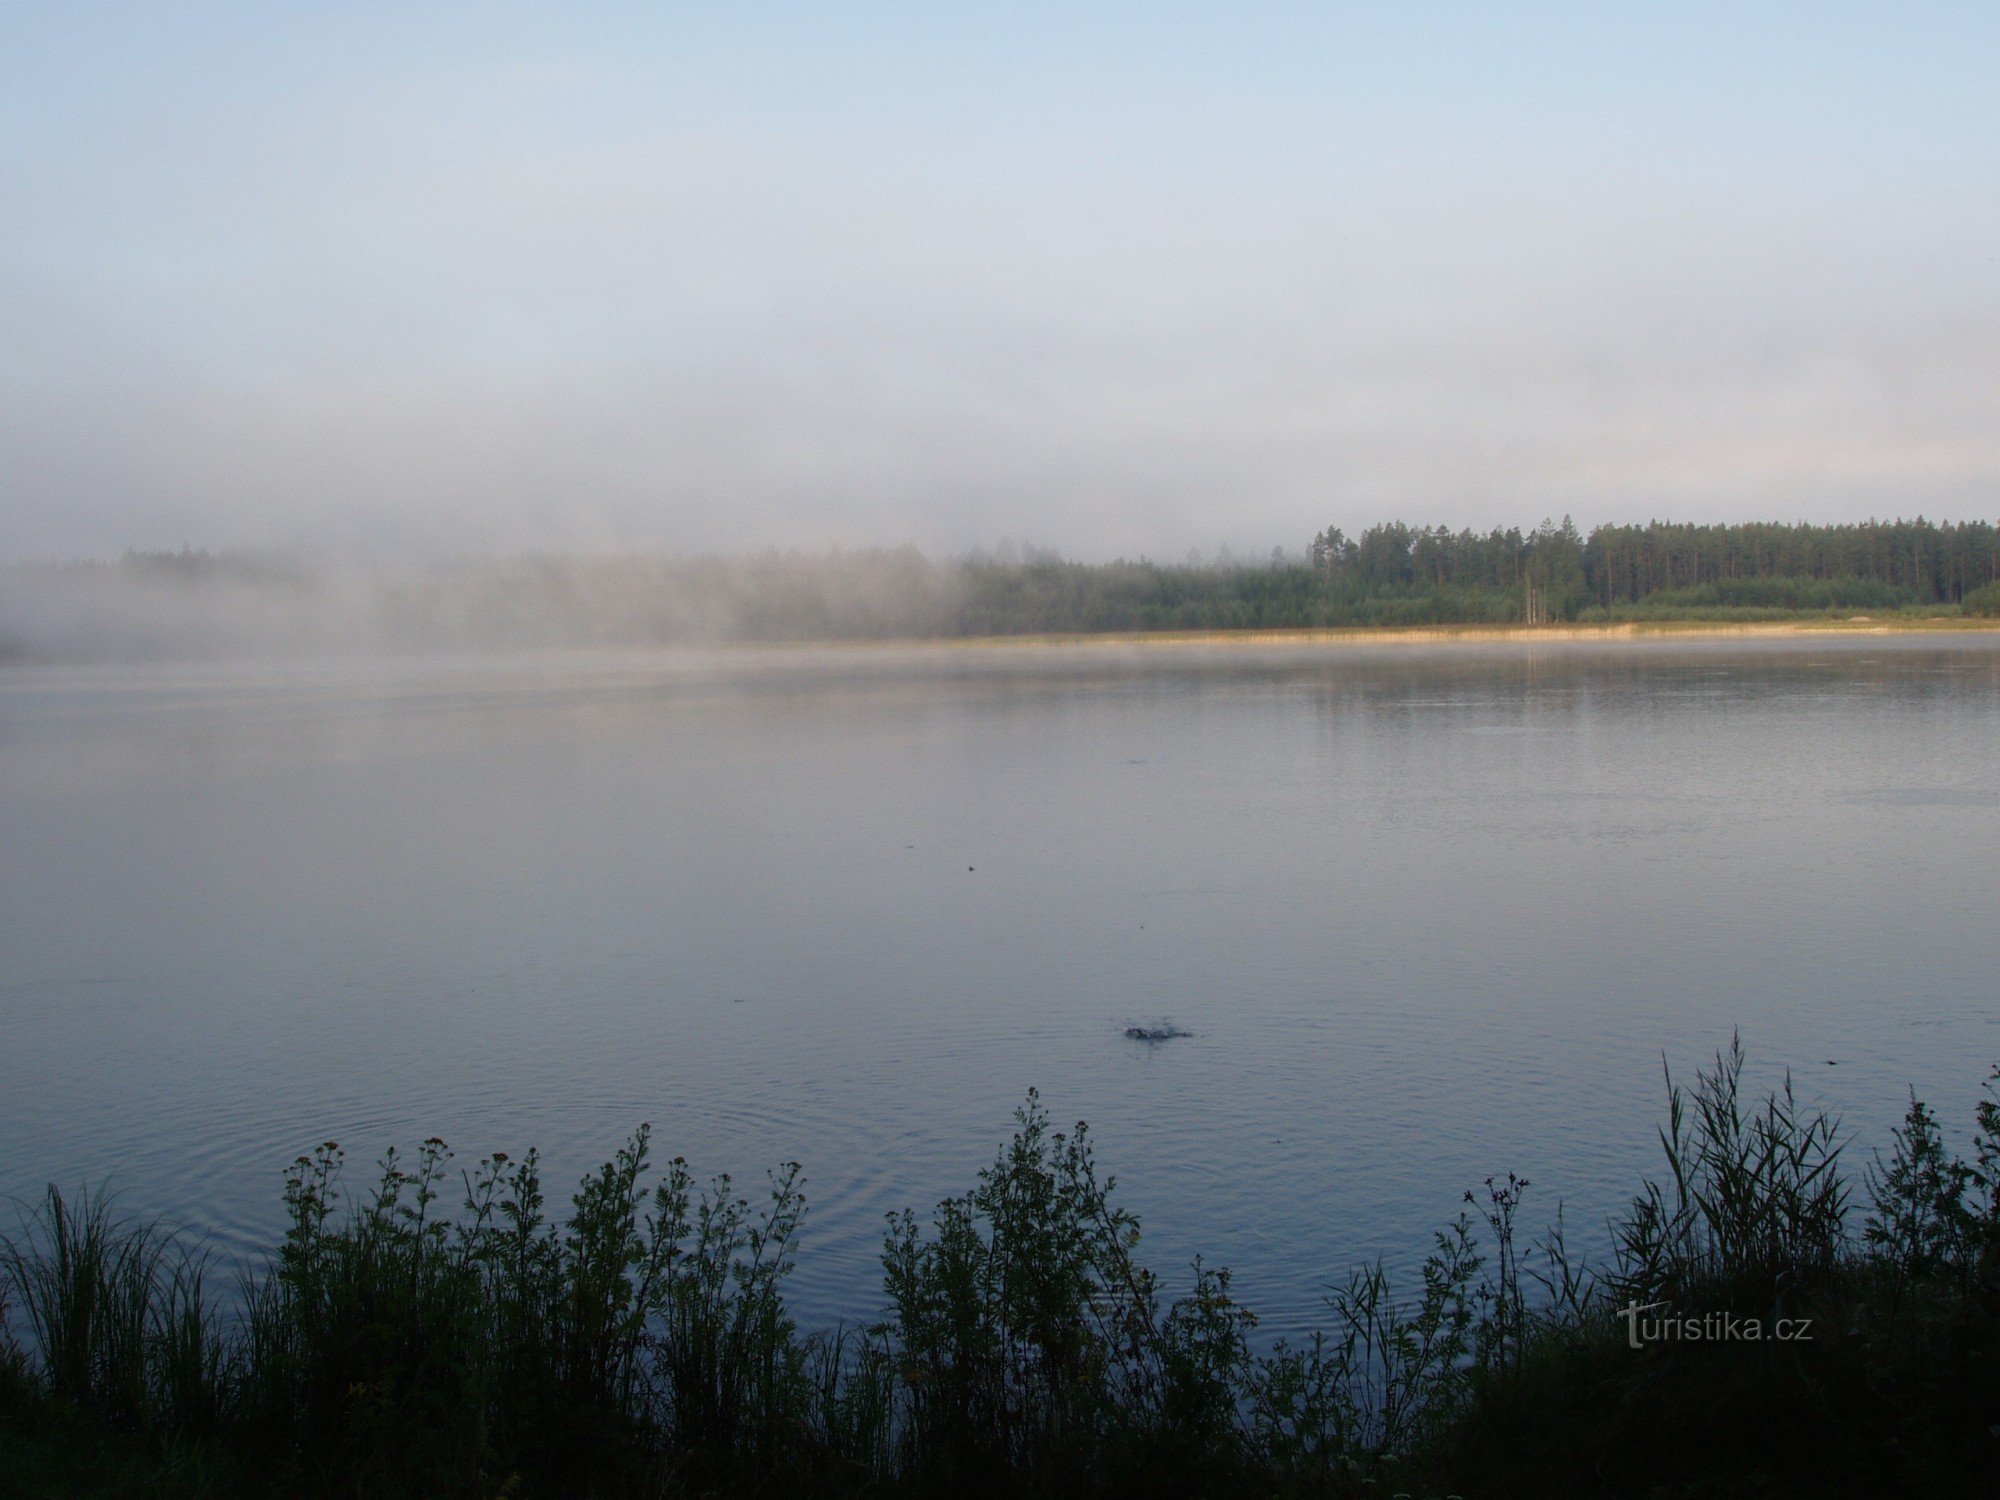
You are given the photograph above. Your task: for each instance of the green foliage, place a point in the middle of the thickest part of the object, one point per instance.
(1756, 1203)
(118, 1316)
(500, 1341)
(1865, 565)
(1774, 597)
(1919, 1219)
(1668, 571)
(1404, 1368)
(640, 1344)
(1030, 1341)
(1984, 600)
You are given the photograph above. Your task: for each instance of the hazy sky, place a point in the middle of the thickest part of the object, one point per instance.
(1109, 278)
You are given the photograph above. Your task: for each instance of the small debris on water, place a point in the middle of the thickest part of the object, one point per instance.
(1162, 1033)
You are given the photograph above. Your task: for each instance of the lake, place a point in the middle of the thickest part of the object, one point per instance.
(1429, 913)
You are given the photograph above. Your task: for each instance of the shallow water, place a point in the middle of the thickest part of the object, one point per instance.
(1428, 913)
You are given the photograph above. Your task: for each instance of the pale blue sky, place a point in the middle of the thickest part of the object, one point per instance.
(1114, 278)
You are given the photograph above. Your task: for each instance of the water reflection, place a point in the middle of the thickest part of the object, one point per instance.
(1429, 913)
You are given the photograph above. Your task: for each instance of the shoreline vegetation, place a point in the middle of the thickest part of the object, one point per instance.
(1769, 1321)
(1393, 582)
(1692, 628)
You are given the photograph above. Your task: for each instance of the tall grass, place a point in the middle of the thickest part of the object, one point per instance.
(118, 1318)
(445, 1330)
(1755, 1203)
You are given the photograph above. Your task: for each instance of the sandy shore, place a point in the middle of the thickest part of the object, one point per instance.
(1388, 635)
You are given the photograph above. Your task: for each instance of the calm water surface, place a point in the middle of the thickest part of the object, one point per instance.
(1429, 913)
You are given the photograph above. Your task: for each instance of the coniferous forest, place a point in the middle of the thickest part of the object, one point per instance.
(1398, 574)
(1668, 566)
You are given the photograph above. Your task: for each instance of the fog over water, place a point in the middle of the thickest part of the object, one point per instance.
(195, 606)
(1428, 913)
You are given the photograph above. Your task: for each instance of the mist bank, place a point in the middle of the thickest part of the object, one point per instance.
(194, 605)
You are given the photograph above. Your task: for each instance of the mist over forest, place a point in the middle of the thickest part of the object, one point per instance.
(194, 605)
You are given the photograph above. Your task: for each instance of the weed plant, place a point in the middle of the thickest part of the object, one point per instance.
(446, 1331)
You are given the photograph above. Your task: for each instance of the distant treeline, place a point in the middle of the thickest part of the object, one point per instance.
(198, 604)
(1554, 572)
(1399, 574)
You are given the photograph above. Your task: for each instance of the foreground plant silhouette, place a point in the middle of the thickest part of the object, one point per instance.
(639, 1343)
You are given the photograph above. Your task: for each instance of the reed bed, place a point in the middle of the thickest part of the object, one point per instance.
(445, 1330)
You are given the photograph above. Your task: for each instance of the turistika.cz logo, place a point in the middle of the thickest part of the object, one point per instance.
(1654, 1323)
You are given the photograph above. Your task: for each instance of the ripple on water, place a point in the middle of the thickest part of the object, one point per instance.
(514, 918)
